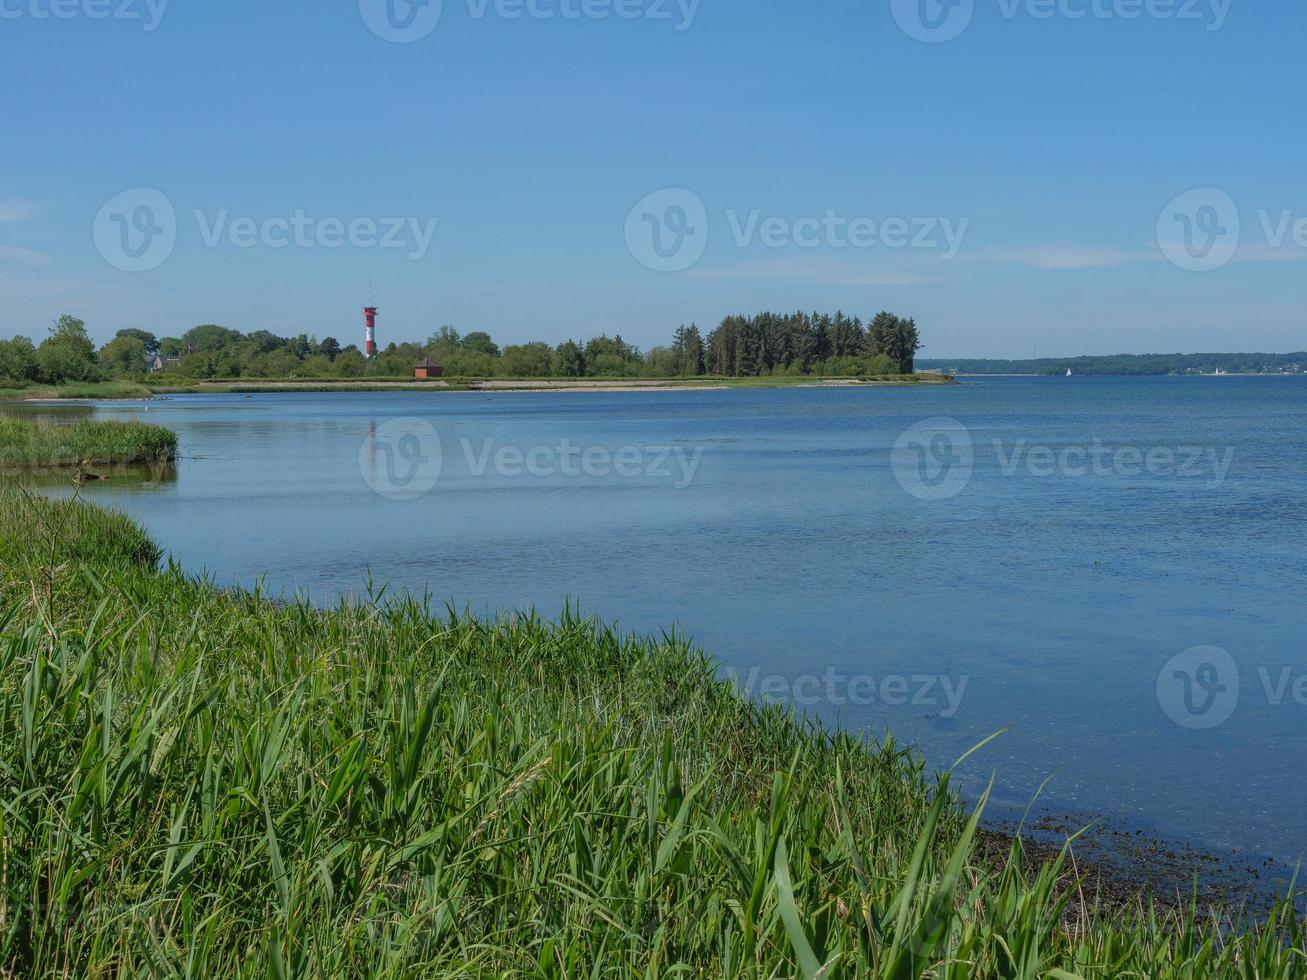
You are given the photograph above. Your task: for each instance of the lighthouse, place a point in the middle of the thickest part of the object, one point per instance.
(370, 330)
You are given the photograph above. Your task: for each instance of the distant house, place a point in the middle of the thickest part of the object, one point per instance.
(427, 370)
(159, 363)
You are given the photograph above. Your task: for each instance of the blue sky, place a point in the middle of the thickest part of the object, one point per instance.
(1007, 184)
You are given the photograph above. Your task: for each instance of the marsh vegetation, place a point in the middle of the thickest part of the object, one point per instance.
(203, 782)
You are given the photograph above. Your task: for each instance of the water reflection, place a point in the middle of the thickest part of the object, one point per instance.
(60, 413)
(116, 478)
(119, 478)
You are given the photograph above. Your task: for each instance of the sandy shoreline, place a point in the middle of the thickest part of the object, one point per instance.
(542, 385)
(589, 386)
(262, 386)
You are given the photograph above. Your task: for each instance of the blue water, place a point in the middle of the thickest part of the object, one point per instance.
(1039, 598)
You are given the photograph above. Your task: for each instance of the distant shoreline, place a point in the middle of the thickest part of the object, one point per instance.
(457, 385)
(1097, 374)
(1126, 365)
(564, 385)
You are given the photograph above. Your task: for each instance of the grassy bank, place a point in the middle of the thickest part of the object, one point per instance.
(211, 783)
(167, 385)
(90, 389)
(26, 444)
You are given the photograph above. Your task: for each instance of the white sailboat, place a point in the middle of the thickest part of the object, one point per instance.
(1068, 372)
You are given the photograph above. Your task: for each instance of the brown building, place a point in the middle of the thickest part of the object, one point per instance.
(426, 370)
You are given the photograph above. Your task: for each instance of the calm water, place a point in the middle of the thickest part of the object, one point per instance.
(1042, 593)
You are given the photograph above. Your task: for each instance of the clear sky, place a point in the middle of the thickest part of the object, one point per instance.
(999, 169)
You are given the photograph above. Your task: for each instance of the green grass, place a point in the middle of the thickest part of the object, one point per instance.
(206, 783)
(41, 539)
(27, 444)
(89, 389)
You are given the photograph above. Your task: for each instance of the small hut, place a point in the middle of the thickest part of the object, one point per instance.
(427, 370)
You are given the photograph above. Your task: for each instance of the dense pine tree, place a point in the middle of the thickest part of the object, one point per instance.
(811, 343)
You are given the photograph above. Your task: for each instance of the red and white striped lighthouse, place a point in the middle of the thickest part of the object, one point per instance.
(370, 333)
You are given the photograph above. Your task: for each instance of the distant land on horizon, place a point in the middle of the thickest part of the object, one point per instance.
(1125, 364)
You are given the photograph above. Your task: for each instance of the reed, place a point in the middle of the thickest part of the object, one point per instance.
(209, 783)
(26, 444)
(72, 389)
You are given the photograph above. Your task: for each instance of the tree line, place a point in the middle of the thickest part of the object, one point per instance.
(805, 343)
(761, 345)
